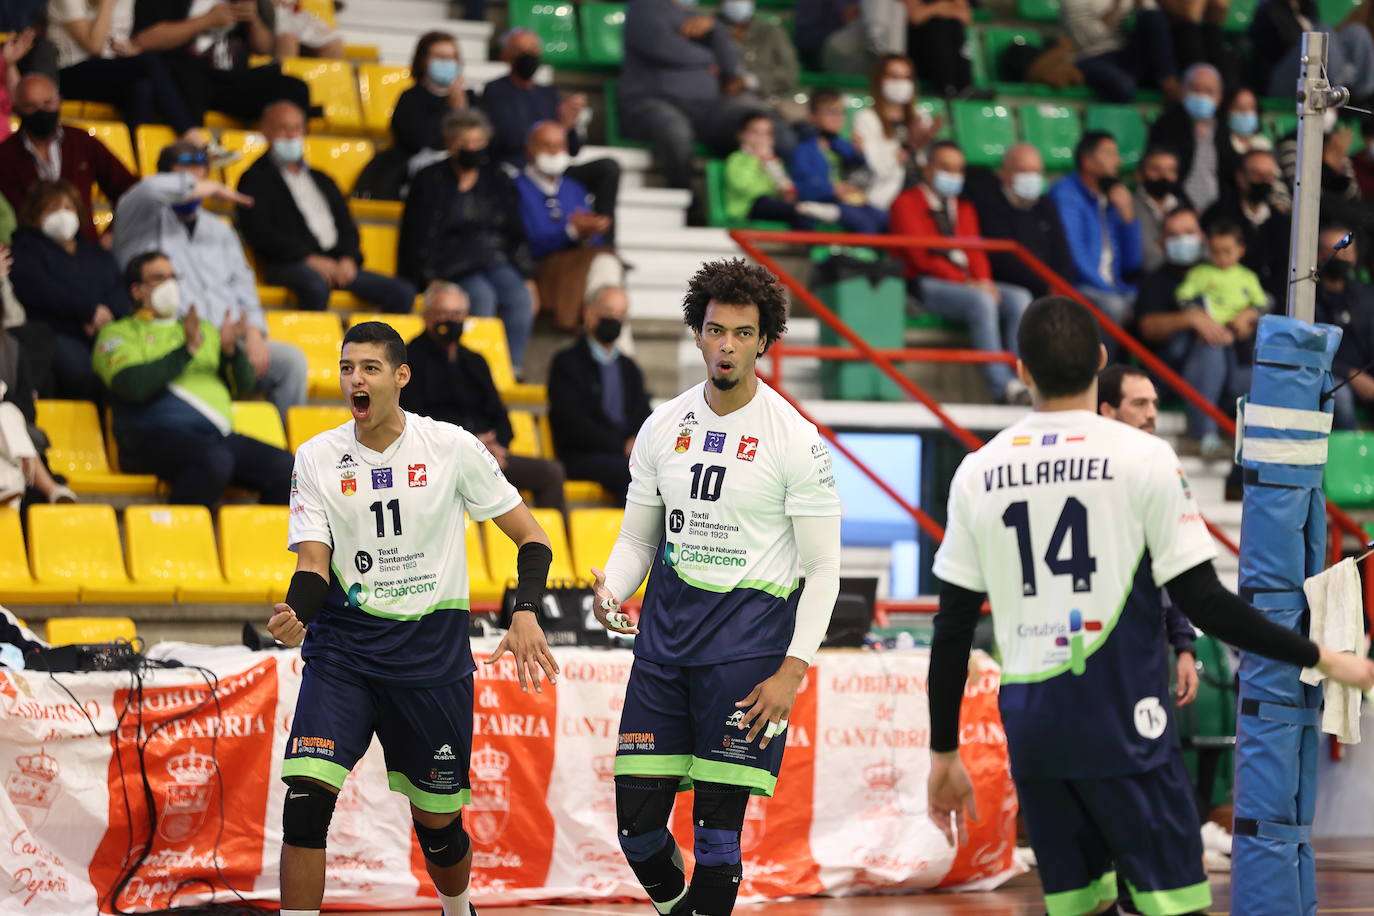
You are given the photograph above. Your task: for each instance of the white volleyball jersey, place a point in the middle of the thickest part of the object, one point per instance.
(723, 587)
(394, 521)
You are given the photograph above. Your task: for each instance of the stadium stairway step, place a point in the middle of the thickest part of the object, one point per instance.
(394, 25)
(639, 209)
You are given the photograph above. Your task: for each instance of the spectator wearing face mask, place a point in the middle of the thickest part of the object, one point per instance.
(515, 103)
(1016, 208)
(1253, 200)
(67, 283)
(768, 59)
(173, 383)
(1157, 194)
(893, 132)
(1192, 130)
(957, 283)
(1347, 303)
(1241, 110)
(824, 166)
(416, 121)
(597, 398)
(567, 237)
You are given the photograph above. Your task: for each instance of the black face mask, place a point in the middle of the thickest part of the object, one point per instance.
(41, 123)
(1106, 184)
(1259, 192)
(1337, 269)
(471, 158)
(447, 332)
(1158, 188)
(525, 65)
(607, 330)
(828, 134)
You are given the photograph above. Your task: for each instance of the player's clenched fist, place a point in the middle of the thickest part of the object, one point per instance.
(285, 627)
(607, 608)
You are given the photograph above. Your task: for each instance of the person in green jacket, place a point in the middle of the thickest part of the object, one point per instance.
(173, 384)
(757, 186)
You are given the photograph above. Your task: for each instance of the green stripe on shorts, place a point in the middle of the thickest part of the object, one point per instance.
(656, 765)
(757, 781)
(1174, 902)
(325, 771)
(427, 801)
(1084, 900)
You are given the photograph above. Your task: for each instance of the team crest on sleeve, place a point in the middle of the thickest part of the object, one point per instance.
(748, 447)
(416, 475)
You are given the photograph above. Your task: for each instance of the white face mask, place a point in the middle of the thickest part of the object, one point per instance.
(61, 225)
(552, 164)
(166, 299)
(899, 91)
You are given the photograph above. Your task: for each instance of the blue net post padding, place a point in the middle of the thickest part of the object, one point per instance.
(1283, 542)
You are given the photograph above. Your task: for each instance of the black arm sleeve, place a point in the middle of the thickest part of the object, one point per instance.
(949, 650)
(1211, 607)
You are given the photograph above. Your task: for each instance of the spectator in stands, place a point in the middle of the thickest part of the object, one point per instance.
(8, 221)
(1192, 130)
(451, 383)
(1157, 194)
(1195, 26)
(515, 103)
(66, 282)
(680, 83)
(893, 132)
(936, 35)
(768, 59)
(12, 51)
(162, 213)
(208, 55)
(1187, 338)
(1098, 216)
(417, 120)
(757, 185)
(299, 31)
(1115, 62)
(100, 64)
(567, 237)
(1347, 303)
(597, 398)
(1255, 202)
(22, 443)
(1017, 208)
(830, 35)
(824, 162)
(462, 223)
(299, 226)
(1243, 125)
(955, 283)
(173, 383)
(1226, 288)
(1276, 45)
(45, 149)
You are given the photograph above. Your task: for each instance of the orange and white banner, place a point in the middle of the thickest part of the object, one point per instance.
(848, 816)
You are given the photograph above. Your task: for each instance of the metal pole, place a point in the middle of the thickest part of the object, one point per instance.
(1314, 96)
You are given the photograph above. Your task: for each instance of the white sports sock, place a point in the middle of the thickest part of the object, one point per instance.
(300, 913)
(456, 905)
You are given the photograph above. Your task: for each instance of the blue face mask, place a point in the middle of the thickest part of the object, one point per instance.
(1183, 250)
(947, 184)
(1243, 123)
(1028, 185)
(442, 71)
(289, 149)
(186, 208)
(1199, 107)
(737, 10)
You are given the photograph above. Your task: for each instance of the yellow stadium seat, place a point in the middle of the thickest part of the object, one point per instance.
(333, 87)
(526, 440)
(259, 420)
(77, 450)
(487, 336)
(152, 139)
(115, 136)
(304, 423)
(593, 533)
(379, 243)
(586, 491)
(249, 144)
(102, 217)
(99, 111)
(481, 586)
(320, 337)
(252, 548)
(66, 631)
(16, 582)
(340, 159)
(379, 86)
(324, 9)
(377, 211)
(408, 326)
(275, 297)
(79, 545)
(501, 550)
(360, 54)
(174, 546)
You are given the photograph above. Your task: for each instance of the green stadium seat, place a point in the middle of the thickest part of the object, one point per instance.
(555, 23)
(1038, 10)
(1333, 12)
(1125, 124)
(613, 136)
(937, 109)
(984, 129)
(1054, 130)
(1239, 15)
(1349, 480)
(997, 40)
(1278, 126)
(603, 33)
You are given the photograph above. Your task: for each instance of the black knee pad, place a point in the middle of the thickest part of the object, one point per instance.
(717, 821)
(306, 813)
(444, 846)
(643, 805)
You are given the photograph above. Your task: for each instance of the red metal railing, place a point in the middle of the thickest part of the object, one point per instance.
(748, 240)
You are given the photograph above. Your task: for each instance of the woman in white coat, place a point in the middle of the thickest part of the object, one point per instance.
(893, 133)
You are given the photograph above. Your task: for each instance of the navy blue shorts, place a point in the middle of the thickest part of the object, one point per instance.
(1145, 824)
(425, 733)
(683, 722)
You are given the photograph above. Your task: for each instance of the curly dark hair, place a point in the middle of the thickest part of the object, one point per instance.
(734, 281)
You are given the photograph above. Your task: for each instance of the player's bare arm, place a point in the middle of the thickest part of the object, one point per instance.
(304, 596)
(525, 639)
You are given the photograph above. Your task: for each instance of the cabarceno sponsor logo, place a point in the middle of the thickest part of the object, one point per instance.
(383, 592)
(687, 555)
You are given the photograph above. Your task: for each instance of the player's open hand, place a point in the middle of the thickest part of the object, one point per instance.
(770, 702)
(607, 608)
(1347, 668)
(525, 640)
(285, 627)
(948, 792)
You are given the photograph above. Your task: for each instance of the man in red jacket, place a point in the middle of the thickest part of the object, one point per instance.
(957, 283)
